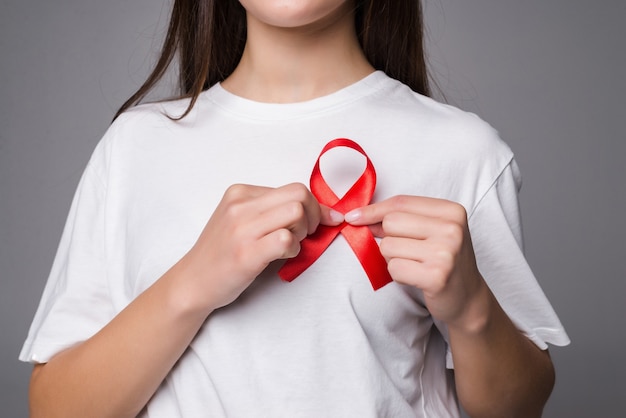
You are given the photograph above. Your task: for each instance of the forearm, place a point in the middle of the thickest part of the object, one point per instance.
(115, 372)
(498, 371)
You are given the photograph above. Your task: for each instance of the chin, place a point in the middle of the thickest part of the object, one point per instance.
(295, 13)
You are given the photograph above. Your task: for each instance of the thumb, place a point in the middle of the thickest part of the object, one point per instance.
(330, 217)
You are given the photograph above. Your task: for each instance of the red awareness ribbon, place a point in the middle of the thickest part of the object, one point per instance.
(360, 238)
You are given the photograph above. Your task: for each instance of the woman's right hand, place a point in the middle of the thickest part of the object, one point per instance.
(117, 370)
(251, 227)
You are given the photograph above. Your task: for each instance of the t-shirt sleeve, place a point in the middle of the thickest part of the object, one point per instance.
(76, 302)
(496, 231)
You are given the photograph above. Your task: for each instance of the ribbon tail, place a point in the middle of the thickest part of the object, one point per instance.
(368, 252)
(310, 250)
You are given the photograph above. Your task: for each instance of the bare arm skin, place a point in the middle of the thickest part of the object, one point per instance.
(115, 372)
(498, 371)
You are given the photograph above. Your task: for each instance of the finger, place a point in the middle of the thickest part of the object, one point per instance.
(299, 192)
(377, 230)
(236, 203)
(410, 272)
(411, 225)
(330, 216)
(242, 192)
(435, 254)
(288, 215)
(426, 206)
(253, 202)
(279, 244)
(407, 248)
(432, 278)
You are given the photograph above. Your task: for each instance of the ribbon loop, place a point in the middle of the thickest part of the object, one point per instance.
(359, 238)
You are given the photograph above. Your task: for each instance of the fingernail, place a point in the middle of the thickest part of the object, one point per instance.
(353, 215)
(336, 216)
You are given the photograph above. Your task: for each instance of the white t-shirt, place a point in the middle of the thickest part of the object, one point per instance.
(325, 344)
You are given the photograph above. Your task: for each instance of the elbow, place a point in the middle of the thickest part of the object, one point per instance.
(36, 395)
(53, 395)
(538, 393)
(46, 398)
(546, 381)
(524, 399)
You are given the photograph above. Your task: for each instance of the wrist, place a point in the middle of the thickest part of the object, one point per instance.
(477, 314)
(186, 294)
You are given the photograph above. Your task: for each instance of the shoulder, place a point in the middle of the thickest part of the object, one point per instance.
(151, 125)
(443, 151)
(420, 124)
(153, 115)
(134, 134)
(440, 122)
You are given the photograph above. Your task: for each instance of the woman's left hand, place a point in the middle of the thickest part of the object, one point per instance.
(427, 244)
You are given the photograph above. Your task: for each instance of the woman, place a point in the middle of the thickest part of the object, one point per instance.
(164, 299)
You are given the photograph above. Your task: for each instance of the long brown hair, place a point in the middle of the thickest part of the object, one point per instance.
(209, 37)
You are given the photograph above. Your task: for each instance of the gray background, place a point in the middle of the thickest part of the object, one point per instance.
(548, 74)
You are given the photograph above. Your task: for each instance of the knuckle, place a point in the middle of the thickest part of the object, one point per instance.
(235, 210)
(385, 246)
(288, 245)
(391, 219)
(402, 271)
(400, 201)
(393, 222)
(453, 231)
(458, 213)
(393, 267)
(294, 211)
(235, 192)
(298, 191)
(438, 277)
(299, 231)
(444, 258)
(387, 223)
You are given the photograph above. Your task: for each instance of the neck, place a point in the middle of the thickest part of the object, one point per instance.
(286, 65)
